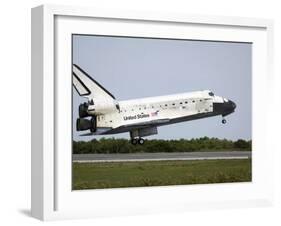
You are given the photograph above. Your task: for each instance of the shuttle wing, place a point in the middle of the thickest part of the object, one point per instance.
(133, 126)
(146, 124)
(141, 125)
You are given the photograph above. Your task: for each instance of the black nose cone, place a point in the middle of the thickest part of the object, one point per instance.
(232, 105)
(225, 108)
(228, 107)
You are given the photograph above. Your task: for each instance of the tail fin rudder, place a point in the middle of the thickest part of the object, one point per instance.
(86, 86)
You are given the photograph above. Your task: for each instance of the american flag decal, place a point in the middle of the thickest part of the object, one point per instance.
(154, 113)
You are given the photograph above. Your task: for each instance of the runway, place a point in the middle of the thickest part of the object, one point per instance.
(161, 156)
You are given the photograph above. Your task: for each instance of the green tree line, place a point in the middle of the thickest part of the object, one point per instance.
(113, 145)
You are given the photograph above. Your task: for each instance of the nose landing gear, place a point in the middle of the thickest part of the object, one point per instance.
(223, 121)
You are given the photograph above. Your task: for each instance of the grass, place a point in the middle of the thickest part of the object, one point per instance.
(159, 173)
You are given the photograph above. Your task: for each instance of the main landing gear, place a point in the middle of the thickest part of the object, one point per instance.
(136, 141)
(223, 121)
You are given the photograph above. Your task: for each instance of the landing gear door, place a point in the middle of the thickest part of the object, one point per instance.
(143, 132)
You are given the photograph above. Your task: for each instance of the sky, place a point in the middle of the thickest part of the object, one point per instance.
(142, 67)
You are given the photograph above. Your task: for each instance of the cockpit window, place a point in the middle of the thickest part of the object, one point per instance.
(211, 94)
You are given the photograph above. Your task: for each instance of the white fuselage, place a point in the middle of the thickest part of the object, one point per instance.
(157, 108)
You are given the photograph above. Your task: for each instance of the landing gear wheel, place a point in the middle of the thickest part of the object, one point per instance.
(223, 121)
(141, 141)
(134, 141)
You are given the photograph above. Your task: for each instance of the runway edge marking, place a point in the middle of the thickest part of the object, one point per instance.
(160, 159)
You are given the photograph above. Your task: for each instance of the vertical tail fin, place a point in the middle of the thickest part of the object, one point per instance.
(86, 86)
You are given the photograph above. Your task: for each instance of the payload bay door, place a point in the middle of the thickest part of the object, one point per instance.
(203, 106)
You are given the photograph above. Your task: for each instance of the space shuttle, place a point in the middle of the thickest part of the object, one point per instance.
(103, 114)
